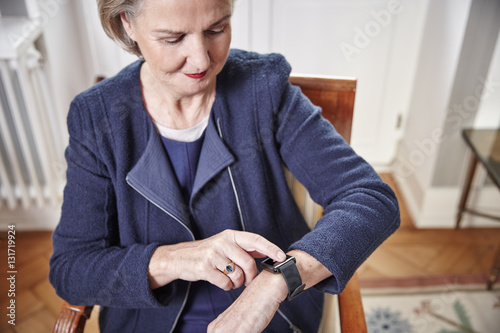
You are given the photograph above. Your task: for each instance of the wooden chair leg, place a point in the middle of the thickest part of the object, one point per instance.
(72, 318)
(352, 315)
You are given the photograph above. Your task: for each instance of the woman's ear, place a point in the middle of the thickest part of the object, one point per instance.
(127, 25)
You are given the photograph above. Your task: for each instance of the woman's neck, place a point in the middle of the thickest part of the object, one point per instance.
(171, 110)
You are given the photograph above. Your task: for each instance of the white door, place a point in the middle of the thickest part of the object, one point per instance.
(375, 41)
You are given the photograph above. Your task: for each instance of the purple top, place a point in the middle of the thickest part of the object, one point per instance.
(205, 301)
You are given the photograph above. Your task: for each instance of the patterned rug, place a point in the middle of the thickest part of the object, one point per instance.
(441, 304)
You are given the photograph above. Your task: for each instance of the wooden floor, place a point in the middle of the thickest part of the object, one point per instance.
(407, 253)
(413, 252)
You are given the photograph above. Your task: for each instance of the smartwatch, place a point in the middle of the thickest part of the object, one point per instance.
(290, 273)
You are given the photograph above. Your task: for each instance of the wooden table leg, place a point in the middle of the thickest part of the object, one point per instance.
(495, 270)
(466, 188)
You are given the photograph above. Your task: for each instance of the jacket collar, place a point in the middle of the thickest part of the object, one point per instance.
(154, 178)
(214, 157)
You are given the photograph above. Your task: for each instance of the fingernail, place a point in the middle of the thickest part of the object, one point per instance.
(281, 256)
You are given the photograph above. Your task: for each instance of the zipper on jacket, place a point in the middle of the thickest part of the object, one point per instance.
(163, 209)
(242, 221)
(182, 308)
(192, 236)
(293, 328)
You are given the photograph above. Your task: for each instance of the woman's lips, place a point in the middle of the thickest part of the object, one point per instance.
(196, 75)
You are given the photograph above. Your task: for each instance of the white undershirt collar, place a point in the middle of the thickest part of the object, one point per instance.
(184, 135)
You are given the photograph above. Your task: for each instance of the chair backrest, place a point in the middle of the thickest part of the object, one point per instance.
(335, 95)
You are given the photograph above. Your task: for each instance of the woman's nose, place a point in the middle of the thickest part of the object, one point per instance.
(198, 54)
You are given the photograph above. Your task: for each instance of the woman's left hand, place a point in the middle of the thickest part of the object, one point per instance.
(256, 306)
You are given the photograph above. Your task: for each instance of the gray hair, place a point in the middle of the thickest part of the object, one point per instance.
(109, 14)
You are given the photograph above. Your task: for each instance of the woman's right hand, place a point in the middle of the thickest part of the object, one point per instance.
(206, 259)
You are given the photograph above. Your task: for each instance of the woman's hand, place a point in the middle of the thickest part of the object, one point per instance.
(256, 306)
(206, 259)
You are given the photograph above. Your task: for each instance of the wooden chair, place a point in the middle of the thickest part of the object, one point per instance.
(336, 98)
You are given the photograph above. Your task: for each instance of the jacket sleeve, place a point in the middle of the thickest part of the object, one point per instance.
(361, 211)
(88, 266)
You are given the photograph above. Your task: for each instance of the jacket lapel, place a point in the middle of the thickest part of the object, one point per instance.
(154, 179)
(214, 157)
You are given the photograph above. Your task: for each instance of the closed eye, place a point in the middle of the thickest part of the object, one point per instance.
(217, 29)
(214, 32)
(173, 40)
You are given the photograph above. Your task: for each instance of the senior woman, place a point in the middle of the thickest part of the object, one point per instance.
(175, 185)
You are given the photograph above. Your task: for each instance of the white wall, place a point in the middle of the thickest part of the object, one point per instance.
(105, 57)
(438, 58)
(67, 72)
(488, 115)
(448, 74)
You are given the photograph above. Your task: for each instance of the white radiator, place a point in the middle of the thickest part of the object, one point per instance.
(31, 137)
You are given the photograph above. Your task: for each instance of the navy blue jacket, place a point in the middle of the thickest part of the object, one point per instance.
(121, 200)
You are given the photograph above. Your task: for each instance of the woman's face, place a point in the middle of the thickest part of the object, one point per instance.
(185, 43)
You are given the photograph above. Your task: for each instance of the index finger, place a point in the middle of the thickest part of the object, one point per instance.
(251, 242)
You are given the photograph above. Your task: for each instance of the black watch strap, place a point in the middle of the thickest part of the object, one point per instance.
(292, 278)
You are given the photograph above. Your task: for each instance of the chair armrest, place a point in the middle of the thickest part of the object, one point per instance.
(352, 315)
(72, 318)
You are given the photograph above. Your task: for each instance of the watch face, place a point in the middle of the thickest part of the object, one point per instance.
(273, 265)
(289, 272)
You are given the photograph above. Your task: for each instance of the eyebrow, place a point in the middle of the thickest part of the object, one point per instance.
(172, 32)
